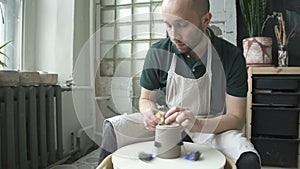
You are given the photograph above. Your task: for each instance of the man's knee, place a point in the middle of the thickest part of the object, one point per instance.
(248, 160)
(109, 142)
(108, 129)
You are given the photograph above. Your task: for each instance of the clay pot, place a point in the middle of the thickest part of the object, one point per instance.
(168, 138)
(258, 50)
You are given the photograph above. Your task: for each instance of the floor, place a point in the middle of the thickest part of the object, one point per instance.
(90, 161)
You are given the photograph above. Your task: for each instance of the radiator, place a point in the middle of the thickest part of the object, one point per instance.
(30, 127)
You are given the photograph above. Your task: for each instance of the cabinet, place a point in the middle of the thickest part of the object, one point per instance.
(272, 121)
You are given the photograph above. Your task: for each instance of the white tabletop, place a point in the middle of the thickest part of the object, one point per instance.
(127, 158)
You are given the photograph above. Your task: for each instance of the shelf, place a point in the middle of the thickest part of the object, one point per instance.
(269, 70)
(274, 70)
(274, 92)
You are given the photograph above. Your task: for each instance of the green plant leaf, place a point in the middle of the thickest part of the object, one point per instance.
(2, 64)
(5, 44)
(254, 13)
(3, 54)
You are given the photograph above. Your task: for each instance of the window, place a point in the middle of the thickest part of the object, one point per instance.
(11, 30)
(128, 28)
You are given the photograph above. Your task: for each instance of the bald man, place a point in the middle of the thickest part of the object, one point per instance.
(204, 80)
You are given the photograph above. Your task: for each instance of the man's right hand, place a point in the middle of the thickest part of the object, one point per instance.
(150, 118)
(148, 108)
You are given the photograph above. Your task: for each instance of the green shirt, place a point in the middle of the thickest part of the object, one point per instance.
(230, 72)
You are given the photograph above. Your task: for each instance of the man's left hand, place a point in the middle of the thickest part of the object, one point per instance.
(182, 116)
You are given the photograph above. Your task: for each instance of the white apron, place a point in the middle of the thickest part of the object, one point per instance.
(194, 94)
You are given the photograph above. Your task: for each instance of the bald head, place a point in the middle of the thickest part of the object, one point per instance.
(201, 7)
(186, 22)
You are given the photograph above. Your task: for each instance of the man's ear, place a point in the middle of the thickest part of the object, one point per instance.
(206, 19)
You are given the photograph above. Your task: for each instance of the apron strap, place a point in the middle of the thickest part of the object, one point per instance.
(173, 63)
(209, 59)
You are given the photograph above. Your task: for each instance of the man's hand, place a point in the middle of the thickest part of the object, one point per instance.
(182, 116)
(150, 118)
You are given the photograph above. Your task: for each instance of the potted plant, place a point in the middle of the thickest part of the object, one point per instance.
(257, 48)
(2, 63)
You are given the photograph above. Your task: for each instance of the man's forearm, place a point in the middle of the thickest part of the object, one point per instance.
(234, 119)
(146, 105)
(218, 124)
